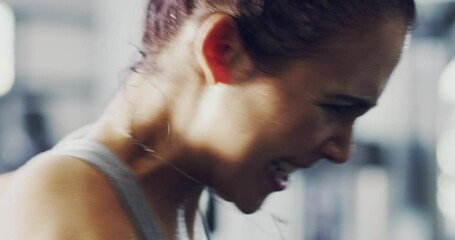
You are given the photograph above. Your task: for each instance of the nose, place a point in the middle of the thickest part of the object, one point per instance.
(338, 147)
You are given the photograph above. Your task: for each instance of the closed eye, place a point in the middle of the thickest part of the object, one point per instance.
(342, 103)
(344, 110)
(339, 109)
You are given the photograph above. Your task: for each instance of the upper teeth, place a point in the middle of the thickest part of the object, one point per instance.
(285, 166)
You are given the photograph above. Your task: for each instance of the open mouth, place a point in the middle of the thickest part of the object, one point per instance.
(279, 172)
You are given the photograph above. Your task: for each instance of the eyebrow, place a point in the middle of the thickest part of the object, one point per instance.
(355, 100)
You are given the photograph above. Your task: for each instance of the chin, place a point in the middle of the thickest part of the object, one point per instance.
(249, 207)
(247, 210)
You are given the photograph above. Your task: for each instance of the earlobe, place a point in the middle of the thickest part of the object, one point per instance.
(215, 46)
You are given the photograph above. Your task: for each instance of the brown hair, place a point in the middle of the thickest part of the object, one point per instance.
(274, 30)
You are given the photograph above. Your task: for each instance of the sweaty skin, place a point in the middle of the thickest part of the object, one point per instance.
(214, 116)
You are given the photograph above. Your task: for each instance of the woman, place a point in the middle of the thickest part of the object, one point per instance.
(233, 95)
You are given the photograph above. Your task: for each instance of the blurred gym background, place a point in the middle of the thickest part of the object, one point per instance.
(61, 61)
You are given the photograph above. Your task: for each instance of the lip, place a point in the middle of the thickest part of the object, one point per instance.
(277, 184)
(308, 164)
(279, 179)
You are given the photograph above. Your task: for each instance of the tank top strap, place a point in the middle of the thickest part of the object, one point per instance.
(123, 181)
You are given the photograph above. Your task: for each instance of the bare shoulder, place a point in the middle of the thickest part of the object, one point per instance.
(60, 197)
(4, 181)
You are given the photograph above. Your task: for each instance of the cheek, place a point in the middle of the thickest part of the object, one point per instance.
(309, 128)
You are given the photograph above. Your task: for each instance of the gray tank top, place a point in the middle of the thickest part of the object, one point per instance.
(125, 185)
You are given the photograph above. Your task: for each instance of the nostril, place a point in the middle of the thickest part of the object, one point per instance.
(336, 153)
(337, 160)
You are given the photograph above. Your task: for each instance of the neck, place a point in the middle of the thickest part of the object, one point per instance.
(171, 201)
(138, 122)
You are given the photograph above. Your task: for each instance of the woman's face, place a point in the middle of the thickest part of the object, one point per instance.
(254, 132)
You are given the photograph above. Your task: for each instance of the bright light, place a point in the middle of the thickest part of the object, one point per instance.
(7, 74)
(447, 84)
(433, 1)
(372, 203)
(446, 196)
(446, 152)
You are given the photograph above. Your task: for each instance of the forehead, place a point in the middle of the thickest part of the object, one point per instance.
(377, 46)
(357, 65)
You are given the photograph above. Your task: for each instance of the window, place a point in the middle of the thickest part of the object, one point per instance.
(7, 69)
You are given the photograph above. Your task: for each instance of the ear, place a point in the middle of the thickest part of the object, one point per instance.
(217, 43)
